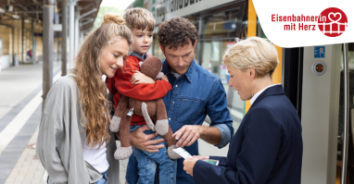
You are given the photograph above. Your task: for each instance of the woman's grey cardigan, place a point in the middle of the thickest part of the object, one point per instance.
(61, 138)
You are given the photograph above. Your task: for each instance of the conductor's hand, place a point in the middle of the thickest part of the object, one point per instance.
(188, 165)
(142, 141)
(201, 157)
(187, 135)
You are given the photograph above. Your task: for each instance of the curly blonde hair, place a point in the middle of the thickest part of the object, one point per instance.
(93, 91)
(253, 52)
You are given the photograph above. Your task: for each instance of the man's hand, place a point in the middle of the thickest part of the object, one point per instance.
(187, 135)
(142, 141)
(165, 78)
(138, 78)
(188, 165)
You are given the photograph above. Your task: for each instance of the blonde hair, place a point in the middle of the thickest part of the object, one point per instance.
(93, 91)
(139, 18)
(253, 52)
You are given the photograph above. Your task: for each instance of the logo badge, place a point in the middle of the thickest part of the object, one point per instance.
(334, 23)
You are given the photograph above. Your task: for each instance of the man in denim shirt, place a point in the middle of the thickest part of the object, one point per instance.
(195, 93)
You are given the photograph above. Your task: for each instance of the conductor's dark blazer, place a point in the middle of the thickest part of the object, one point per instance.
(267, 147)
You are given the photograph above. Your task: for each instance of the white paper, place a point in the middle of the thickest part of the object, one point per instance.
(182, 152)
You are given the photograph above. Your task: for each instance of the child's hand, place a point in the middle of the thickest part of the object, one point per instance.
(139, 78)
(165, 78)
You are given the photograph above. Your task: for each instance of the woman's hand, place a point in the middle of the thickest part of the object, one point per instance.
(139, 78)
(188, 165)
(142, 141)
(200, 157)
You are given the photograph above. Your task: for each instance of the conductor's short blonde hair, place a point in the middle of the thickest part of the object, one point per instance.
(253, 52)
(139, 18)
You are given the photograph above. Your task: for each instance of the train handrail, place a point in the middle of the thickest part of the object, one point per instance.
(346, 115)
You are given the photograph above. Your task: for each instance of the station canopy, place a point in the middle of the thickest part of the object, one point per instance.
(33, 10)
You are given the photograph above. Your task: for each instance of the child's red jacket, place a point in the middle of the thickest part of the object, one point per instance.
(120, 85)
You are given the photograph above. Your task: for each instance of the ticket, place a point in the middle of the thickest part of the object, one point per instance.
(211, 161)
(182, 152)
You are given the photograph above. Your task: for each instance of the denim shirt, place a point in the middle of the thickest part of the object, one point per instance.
(193, 96)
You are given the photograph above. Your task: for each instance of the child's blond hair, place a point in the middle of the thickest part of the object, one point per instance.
(139, 18)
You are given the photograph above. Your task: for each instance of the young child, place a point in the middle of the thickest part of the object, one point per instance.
(141, 23)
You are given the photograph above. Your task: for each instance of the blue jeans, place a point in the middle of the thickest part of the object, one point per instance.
(103, 180)
(147, 164)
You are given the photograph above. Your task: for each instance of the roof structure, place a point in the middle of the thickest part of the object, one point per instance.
(33, 9)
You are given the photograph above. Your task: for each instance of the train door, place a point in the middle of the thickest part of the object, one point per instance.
(314, 80)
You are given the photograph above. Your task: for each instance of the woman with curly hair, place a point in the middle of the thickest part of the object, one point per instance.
(74, 142)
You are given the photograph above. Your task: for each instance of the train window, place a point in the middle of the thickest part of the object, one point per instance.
(211, 53)
(194, 20)
(217, 34)
(156, 51)
(350, 57)
(260, 32)
(222, 25)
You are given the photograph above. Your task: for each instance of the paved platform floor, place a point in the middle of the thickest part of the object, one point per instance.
(28, 168)
(20, 114)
